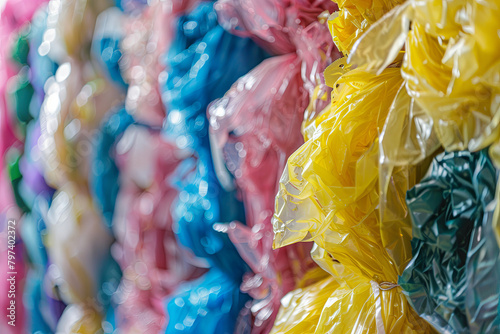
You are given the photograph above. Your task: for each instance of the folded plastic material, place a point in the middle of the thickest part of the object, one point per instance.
(274, 24)
(450, 65)
(354, 18)
(329, 193)
(452, 278)
(257, 125)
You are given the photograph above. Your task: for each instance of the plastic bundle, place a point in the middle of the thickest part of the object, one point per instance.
(148, 252)
(41, 291)
(329, 193)
(256, 157)
(202, 63)
(450, 65)
(256, 126)
(452, 278)
(449, 70)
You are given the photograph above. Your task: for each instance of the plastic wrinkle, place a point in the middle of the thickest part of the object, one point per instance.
(245, 124)
(451, 279)
(354, 18)
(272, 24)
(450, 67)
(256, 126)
(329, 193)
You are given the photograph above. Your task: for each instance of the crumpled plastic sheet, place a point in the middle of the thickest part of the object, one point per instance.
(354, 18)
(151, 259)
(256, 133)
(407, 144)
(269, 100)
(450, 66)
(452, 279)
(202, 63)
(329, 193)
(273, 24)
(314, 295)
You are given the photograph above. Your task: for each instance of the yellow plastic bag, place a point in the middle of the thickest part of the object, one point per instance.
(354, 17)
(329, 193)
(301, 308)
(451, 65)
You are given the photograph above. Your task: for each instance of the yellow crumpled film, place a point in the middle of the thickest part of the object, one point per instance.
(293, 317)
(354, 17)
(329, 193)
(451, 65)
(312, 111)
(332, 170)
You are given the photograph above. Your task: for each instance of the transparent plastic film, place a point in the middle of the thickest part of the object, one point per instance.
(354, 18)
(256, 126)
(407, 144)
(329, 193)
(320, 177)
(450, 68)
(301, 309)
(274, 23)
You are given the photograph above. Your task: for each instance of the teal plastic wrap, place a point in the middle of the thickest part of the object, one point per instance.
(452, 279)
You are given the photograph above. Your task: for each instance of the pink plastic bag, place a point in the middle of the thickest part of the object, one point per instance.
(257, 125)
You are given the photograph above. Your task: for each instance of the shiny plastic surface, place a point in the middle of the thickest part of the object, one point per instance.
(354, 18)
(452, 278)
(257, 125)
(329, 193)
(451, 61)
